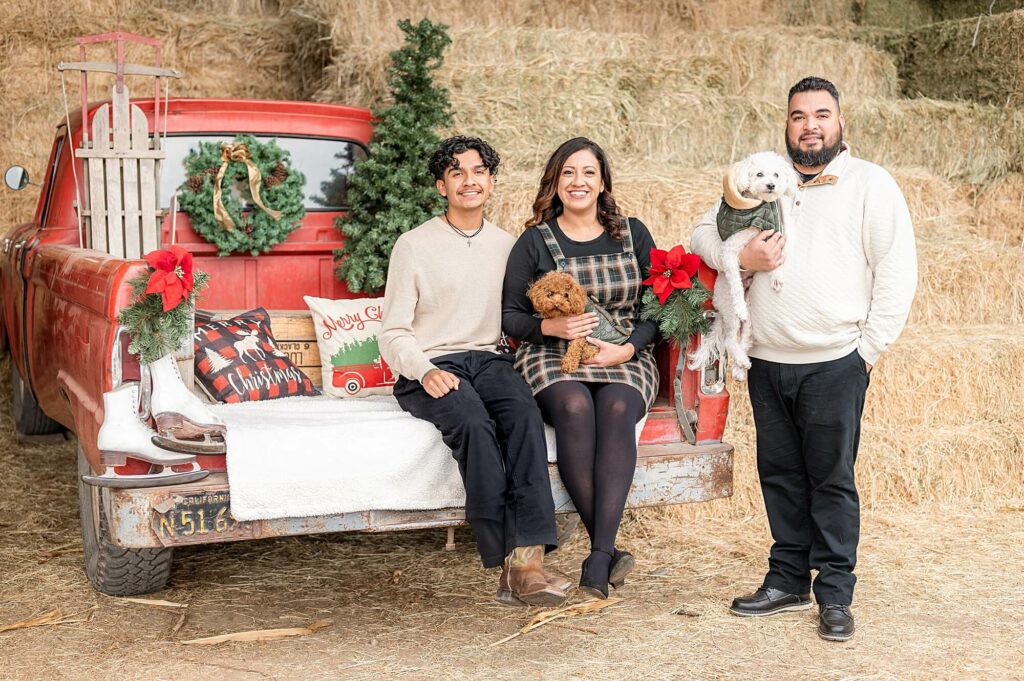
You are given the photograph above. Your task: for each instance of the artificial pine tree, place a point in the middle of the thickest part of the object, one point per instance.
(392, 191)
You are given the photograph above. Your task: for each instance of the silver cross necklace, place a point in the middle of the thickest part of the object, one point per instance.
(465, 235)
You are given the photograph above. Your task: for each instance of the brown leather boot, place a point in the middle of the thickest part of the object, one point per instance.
(526, 578)
(506, 597)
(560, 581)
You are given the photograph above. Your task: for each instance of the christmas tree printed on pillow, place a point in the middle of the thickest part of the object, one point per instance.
(346, 335)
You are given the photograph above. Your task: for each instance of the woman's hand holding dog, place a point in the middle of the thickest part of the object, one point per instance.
(609, 354)
(763, 253)
(569, 328)
(439, 383)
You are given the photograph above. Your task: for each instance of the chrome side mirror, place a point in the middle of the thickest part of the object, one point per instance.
(16, 178)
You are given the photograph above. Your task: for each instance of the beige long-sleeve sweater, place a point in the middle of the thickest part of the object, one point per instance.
(851, 268)
(442, 296)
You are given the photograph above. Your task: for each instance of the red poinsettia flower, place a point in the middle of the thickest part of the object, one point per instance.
(171, 276)
(671, 270)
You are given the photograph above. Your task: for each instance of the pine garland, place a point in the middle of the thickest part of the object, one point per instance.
(392, 191)
(255, 231)
(681, 316)
(155, 333)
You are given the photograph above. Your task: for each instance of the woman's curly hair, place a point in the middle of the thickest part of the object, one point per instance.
(444, 158)
(547, 205)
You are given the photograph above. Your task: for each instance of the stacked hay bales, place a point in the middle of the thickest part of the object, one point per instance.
(243, 49)
(979, 60)
(675, 104)
(675, 90)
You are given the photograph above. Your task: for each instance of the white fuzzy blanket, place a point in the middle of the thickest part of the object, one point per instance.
(310, 456)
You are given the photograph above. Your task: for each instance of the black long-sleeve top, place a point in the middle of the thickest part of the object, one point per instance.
(530, 259)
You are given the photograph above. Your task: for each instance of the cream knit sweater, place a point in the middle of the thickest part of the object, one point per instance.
(442, 296)
(851, 269)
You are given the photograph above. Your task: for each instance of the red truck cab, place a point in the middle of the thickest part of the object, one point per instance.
(60, 305)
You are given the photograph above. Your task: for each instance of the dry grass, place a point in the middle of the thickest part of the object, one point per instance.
(934, 577)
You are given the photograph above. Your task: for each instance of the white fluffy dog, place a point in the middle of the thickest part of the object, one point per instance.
(750, 203)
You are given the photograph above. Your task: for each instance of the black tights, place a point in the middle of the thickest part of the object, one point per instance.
(595, 425)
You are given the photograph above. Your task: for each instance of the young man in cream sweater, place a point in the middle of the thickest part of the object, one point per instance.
(441, 331)
(851, 272)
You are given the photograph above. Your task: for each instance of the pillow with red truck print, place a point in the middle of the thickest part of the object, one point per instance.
(237, 360)
(346, 334)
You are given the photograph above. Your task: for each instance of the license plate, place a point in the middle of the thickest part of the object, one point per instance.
(199, 518)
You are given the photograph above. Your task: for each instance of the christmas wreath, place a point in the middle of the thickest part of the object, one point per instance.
(160, 319)
(676, 297)
(218, 175)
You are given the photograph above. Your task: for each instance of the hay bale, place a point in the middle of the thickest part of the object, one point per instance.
(999, 210)
(754, 63)
(966, 60)
(963, 456)
(963, 142)
(936, 376)
(965, 280)
(764, 64)
(671, 200)
(234, 50)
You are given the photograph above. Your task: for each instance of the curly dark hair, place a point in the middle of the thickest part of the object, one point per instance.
(547, 205)
(444, 158)
(813, 83)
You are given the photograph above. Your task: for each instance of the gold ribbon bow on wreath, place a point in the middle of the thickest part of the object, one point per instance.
(240, 153)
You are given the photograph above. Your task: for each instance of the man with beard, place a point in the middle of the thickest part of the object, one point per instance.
(850, 280)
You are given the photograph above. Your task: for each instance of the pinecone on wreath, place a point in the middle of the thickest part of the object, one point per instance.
(278, 175)
(195, 182)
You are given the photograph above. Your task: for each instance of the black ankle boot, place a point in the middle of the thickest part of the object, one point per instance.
(594, 577)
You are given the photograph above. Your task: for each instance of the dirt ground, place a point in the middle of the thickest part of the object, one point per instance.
(941, 595)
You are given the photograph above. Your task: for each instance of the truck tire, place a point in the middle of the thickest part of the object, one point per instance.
(113, 570)
(29, 419)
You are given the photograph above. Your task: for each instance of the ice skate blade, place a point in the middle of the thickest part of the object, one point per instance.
(206, 447)
(161, 479)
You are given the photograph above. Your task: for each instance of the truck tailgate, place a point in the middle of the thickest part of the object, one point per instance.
(199, 513)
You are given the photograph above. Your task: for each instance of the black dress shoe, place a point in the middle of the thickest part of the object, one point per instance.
(835, 622)
(769, 601)
(622, 564)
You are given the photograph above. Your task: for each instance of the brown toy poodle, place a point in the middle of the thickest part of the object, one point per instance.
(557, 294)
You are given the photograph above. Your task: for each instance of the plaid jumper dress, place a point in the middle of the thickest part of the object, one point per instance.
(614, 281)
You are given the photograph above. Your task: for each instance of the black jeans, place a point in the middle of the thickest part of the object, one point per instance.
(496, 434)
(807, 418)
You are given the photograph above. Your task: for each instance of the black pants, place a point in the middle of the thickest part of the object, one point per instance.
(496, 434)
(808, 429)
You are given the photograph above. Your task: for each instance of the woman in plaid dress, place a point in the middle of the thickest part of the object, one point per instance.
(577, 228)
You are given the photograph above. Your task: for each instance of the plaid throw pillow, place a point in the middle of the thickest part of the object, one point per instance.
(237, 360)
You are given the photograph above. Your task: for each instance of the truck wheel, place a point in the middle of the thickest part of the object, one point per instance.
(113, 570)
(29, 419)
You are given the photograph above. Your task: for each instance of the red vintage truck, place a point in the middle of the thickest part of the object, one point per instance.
(60, 305)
